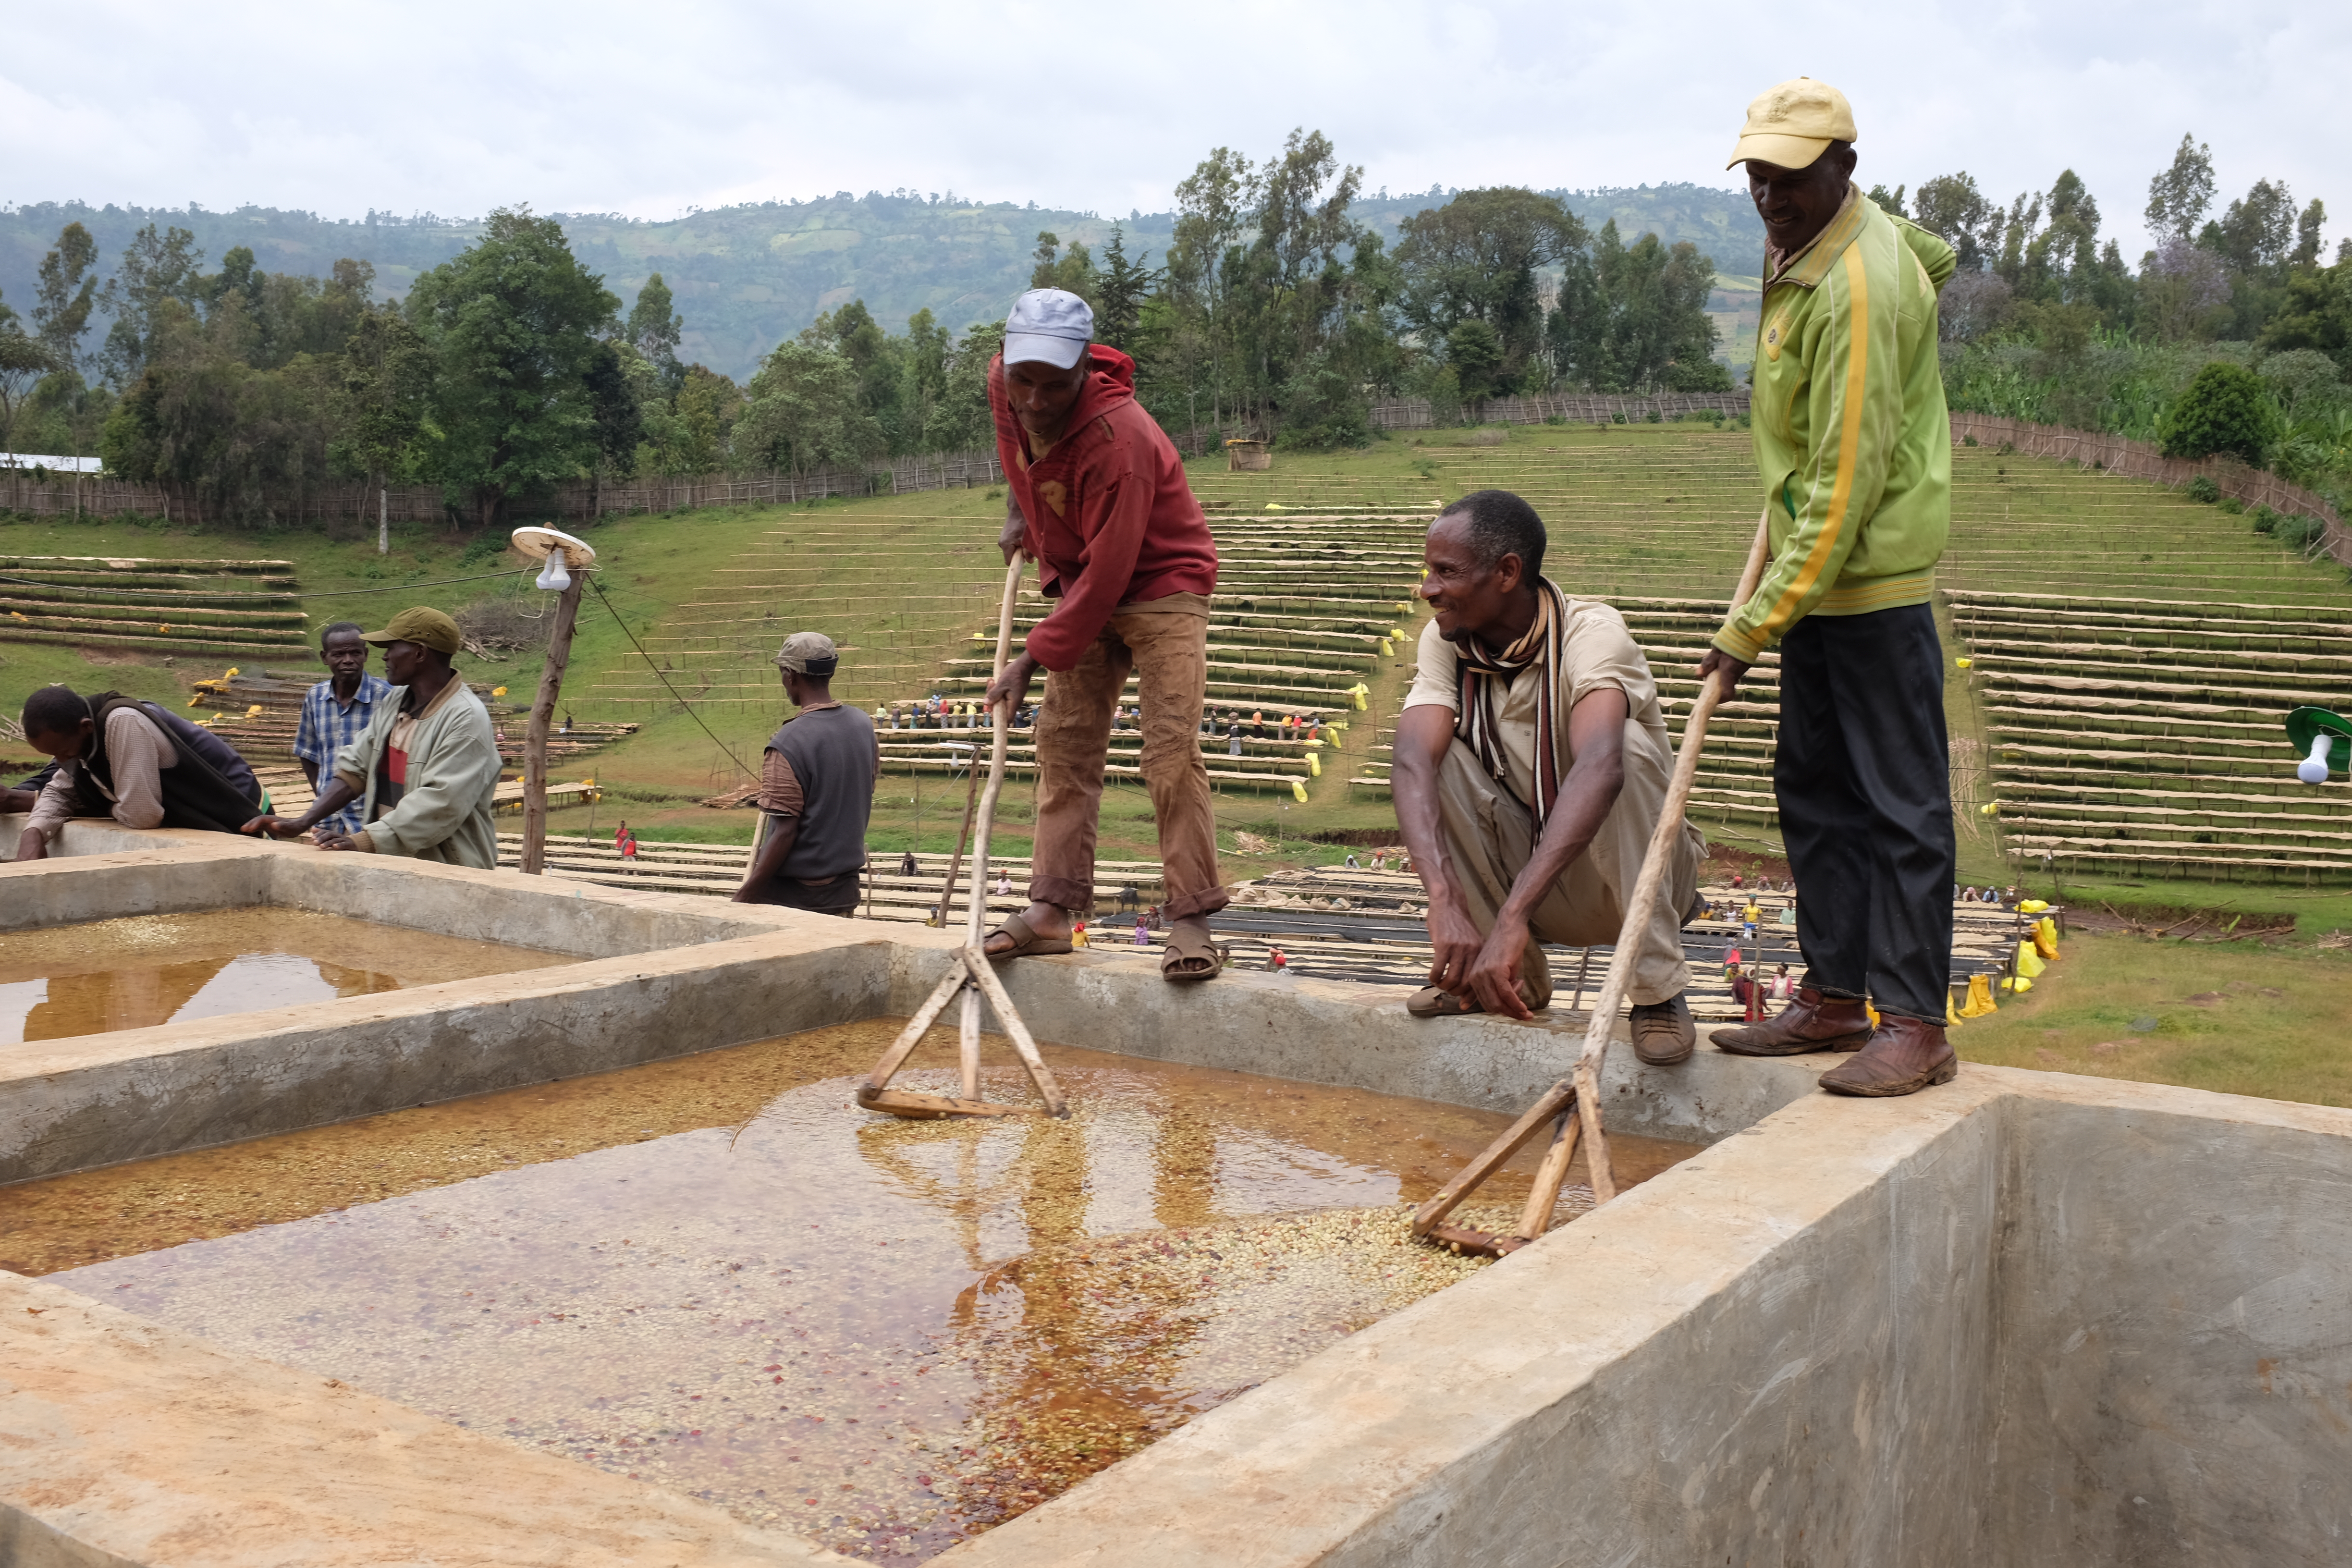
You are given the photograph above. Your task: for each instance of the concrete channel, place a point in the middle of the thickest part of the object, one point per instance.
(2025, 1319)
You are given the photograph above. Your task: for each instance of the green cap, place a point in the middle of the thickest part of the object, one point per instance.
(427, 628)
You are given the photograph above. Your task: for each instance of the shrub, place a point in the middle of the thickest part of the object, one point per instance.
(2266, 520)
(2299, 532)
(2202, 488)
(1698, 375)
(1968, 441)
(2225, 409)
(1656, 418)
(1555, 418)
(2232, 505)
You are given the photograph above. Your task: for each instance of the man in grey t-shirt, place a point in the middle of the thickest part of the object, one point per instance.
(816, 784)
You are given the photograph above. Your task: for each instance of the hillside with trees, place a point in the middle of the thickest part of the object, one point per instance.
(1278, 297)
(749, 277)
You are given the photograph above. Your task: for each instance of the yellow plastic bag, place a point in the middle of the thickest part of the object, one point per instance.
(2019, 984)
(2029, 963)
(2046, 937)
(1298, 790)
(1980, 1002)
(1951, 1017)
(1314, 766)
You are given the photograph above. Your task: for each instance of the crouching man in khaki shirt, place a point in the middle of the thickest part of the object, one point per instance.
(1531, 765)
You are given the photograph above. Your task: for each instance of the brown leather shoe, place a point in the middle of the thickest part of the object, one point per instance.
(1813, 1022)
(1904, 1057)
(1665, 1033)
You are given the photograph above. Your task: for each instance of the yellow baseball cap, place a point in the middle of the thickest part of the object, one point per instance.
(1794, 123)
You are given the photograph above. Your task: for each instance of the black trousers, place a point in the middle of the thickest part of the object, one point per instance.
(1864, 775)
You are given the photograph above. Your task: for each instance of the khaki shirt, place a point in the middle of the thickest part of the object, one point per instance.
(1599, 653)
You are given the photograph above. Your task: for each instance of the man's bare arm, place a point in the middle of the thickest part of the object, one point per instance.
(782, 833)
(1422, 737)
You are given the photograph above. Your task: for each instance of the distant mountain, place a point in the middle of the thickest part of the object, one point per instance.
(747, 276)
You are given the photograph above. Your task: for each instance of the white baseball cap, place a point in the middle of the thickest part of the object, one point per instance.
(1049, 324)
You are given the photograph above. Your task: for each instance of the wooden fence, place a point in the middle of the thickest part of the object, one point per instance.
(575, 500)
(1576, 407)
(2139, 460)
(354, 503)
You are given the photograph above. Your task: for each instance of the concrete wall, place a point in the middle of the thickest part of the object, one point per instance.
(2023, 1318)
(2176, 1383)
(159, 873)
(2026, 1320)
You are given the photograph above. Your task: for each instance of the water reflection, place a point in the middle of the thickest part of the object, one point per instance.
(143, 970)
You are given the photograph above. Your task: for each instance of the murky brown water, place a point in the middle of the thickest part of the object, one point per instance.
(717, 1275)
(128, 973)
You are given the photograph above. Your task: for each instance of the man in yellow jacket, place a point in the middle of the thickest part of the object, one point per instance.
(1852, 435)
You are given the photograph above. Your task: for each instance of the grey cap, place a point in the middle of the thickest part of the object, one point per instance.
(1049, 324)
(808, 653)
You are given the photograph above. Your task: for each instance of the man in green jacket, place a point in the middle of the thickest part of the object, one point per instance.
(426, 767)
(1851, 432)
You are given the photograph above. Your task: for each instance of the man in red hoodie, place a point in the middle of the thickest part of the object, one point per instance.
(1097, 498)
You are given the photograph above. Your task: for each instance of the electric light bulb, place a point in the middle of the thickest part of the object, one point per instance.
(2313, 769)
(553, 576)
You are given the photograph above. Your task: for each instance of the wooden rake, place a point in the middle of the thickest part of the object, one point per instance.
(971, 977)
(1572, 1106)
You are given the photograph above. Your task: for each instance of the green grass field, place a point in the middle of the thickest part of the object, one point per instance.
(903, 582)
(2224, 1016)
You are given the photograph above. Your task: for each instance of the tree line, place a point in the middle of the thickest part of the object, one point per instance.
(511, 366)
(2233, 334)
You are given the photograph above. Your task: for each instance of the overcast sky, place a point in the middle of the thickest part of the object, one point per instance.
(589, 106)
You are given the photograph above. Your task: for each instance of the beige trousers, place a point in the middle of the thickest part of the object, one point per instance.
(1165, 642)
(1491, 837)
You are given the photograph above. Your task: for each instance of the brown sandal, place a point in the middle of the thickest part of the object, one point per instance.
(1184, 950)
(1027, 943)
(1429, 1002)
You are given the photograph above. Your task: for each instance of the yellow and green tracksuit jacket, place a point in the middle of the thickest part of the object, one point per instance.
(1851, 431)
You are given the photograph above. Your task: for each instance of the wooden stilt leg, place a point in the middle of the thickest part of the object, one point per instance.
(1024, 1044)
(968, 1040)
(1559, 1097)
(1536, 1218)
(909, 1038)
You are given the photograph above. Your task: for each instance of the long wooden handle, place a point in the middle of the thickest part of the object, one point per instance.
(1000, 717)
(1644, 902)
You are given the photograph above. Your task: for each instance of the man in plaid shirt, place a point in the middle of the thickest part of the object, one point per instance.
(336, 712)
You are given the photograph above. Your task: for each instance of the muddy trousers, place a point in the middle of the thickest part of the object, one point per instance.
(1490, 838)
(1165, 643)
(1863, 773)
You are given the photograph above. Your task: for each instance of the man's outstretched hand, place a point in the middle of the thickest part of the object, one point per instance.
(274, 826)
(1732, 670)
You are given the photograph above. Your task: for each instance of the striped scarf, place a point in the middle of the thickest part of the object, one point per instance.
(1480, 678)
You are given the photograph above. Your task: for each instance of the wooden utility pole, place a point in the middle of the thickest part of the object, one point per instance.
(547, 541)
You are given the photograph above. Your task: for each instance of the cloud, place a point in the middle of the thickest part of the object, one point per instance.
(594, 106)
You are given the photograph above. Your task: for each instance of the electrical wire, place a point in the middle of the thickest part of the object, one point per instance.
(324, 593)
(673, 690)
